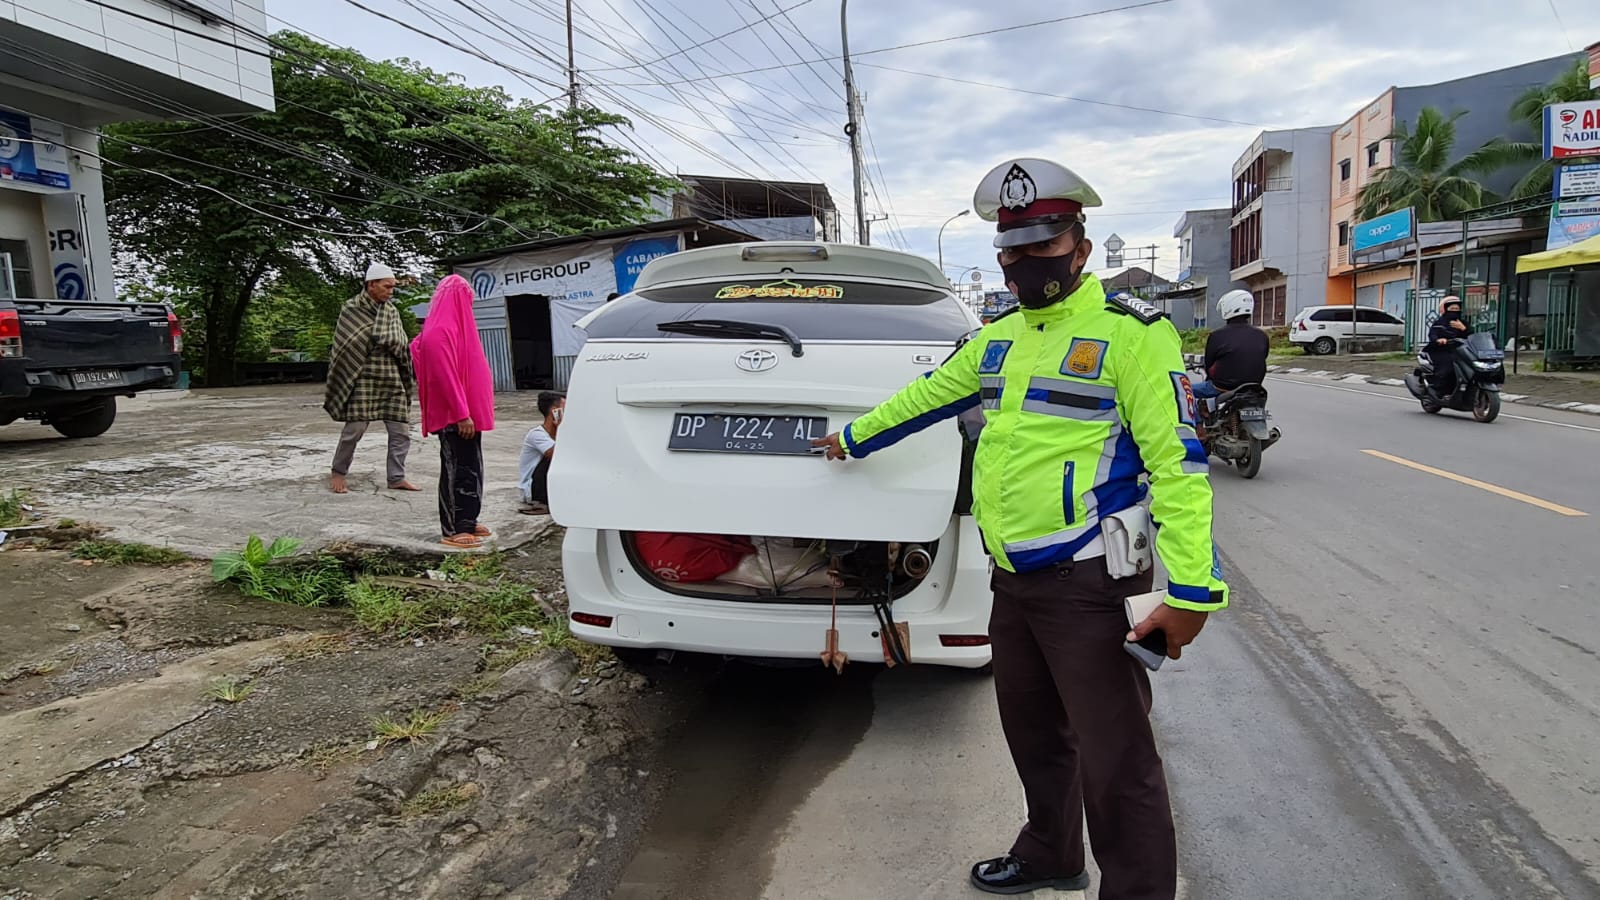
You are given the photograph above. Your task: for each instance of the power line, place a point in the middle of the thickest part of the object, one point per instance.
(169, 25)
(160, 102)
(943, 40)
(1564, 32)
(1017, 90)
(470, 51)
(252, 208)
(711, 40)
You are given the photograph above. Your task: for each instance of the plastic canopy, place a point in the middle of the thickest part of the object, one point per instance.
(1584, 253)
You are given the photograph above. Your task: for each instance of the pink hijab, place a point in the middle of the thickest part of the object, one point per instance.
(453, 380)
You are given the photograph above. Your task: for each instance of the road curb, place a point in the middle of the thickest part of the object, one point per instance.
(1592, 409)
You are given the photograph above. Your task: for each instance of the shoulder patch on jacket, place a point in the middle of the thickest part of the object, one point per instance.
(1147, 313)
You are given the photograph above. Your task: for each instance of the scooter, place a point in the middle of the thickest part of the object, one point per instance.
(1236, 430)
(1480, 370)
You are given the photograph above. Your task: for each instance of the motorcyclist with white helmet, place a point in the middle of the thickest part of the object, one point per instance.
(1236, 354)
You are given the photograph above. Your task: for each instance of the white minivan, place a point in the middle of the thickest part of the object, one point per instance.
(700, 518)
(1321, 330)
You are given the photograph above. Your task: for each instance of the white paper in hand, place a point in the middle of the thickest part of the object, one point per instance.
(1140, 606)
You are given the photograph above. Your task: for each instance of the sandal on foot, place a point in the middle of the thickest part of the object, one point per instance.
(462, 541)
(482, 531)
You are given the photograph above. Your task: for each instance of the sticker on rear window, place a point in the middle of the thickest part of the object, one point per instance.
(781, 290)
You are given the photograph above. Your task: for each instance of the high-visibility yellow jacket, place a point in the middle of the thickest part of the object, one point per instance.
(1081, 401)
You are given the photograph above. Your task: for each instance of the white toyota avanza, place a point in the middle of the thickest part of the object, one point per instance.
(700, 518)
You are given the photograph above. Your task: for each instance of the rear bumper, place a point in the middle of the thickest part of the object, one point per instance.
(953, 600)
(42, 389)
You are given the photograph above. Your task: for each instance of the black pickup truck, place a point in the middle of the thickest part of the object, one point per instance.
(65, 362)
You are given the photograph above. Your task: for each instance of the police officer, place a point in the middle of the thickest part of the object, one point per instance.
(1087, 409)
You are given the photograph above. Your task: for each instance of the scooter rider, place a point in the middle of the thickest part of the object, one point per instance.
(1236, 354)
(1448, 327)
(1082, 395)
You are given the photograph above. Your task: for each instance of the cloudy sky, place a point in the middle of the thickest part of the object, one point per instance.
(1151, 103)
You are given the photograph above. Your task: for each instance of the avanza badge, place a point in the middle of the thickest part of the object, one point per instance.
(781, 290)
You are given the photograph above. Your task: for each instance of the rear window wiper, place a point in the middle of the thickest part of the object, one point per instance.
(733, 329)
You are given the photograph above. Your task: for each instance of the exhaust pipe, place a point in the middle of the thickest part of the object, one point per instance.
(916, 562)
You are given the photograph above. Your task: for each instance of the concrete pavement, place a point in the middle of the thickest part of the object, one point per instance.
(1400, 703)
(202, 472)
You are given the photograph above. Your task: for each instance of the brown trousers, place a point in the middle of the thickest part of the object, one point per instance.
(1075, 708)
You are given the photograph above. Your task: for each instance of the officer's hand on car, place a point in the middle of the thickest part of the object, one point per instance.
(1181, 626)
(834, 446)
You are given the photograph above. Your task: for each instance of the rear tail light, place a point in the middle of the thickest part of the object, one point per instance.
(592, 620)
(1302, 324)
(964, 640)
(175, 331)
(10, 334)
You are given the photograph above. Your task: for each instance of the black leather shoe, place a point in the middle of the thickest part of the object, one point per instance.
(1010, 875)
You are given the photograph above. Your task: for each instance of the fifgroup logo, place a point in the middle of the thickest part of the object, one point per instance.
(69, 283)
(482, 282)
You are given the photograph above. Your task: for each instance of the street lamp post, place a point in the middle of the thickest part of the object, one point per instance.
(941, 235)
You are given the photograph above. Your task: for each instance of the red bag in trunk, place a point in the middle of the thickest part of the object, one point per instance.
(690, 558)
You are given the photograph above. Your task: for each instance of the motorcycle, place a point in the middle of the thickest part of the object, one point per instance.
(1236, 429)
(1480, 370)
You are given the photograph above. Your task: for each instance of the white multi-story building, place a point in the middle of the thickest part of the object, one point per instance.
(1279, 236)
(67, 67)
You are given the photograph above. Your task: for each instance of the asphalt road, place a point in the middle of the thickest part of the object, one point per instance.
(1401, 702)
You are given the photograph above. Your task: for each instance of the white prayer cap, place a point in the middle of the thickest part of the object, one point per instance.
(378, 272)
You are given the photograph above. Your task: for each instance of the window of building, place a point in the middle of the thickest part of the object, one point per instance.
(1344, 233)
(21, 267)
(1344, 170)
(1372, 154)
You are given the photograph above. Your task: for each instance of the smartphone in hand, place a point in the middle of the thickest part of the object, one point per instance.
(1151, 651)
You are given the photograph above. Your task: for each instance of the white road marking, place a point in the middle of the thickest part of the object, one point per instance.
(1410, 399)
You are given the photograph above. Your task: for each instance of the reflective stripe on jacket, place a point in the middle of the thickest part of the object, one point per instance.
(1081, 402)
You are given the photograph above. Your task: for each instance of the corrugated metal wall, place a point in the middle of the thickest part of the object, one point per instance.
(491, 315)
(497, 346)
(564, 366)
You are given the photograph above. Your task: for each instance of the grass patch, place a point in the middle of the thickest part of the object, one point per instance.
(12, 512)
(440, 800)
(330, 755)
(474, 569)
(408, 612)
(117, 553)
(269, 572)
(229, 689)
(477, 687)
(418, 725)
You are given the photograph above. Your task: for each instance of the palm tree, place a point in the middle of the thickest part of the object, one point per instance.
(1571, 86)
(1423, 177)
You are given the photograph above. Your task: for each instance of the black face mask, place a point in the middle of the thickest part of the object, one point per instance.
(1042, 280)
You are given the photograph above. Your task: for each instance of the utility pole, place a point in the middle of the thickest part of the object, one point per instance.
(868, 234)
(572, 64)
(852, 128)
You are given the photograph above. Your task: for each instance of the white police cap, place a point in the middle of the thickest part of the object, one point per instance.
(1033, 200)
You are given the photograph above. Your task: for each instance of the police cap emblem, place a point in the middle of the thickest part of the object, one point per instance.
(1018, 190)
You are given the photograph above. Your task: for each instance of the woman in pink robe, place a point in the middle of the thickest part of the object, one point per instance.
(456, 391)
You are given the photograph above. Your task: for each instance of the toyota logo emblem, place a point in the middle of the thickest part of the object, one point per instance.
(757, 360)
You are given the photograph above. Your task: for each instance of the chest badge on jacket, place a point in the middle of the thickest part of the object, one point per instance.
(1085, 358)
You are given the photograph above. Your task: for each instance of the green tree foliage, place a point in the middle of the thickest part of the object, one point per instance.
(1571, 86)
(1423, 176)
(367, 160)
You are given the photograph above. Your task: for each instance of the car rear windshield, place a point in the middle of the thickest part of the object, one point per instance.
(834, 310)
